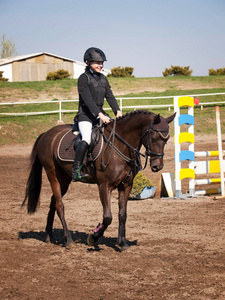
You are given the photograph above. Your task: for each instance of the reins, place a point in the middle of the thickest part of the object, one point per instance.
(137, 154)
(134, 162)
(108, 143)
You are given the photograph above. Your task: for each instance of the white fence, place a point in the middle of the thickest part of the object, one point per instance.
(121, 101)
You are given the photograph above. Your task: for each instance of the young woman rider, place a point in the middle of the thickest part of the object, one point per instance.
(93, 87)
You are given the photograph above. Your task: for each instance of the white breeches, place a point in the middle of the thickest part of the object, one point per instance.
(85, 128)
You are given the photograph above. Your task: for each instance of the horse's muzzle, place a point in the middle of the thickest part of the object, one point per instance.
(156, 165)
(156, 161)
(156, 168)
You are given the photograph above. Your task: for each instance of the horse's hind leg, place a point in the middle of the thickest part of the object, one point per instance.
(59, 188)
(50, 220)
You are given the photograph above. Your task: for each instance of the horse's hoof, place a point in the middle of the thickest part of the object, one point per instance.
(90, 240)
(69, 246)
(49, 239)
(122, 243)
(68, 241)
(125, 247)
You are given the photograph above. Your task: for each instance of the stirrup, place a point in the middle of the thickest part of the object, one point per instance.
(78, 176)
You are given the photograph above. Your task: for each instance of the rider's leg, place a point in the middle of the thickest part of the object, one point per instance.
(85, 130)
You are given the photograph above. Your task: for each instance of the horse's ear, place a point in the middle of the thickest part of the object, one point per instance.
(157, 119)
(170, 118)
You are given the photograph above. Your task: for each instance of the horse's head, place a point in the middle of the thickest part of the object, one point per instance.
(154, 139)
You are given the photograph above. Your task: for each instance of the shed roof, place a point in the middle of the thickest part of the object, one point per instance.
(8, 60)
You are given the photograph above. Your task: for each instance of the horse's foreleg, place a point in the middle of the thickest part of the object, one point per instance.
(59, 207)
(123, 198)
(105, 196)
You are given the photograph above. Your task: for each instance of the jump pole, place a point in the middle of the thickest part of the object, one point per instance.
(200, 167)
(220, 150)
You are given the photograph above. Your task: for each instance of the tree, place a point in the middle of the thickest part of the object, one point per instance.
(8, 48)
(60, 74)
(121, 72)
(1, 77)
(177, 71)
(220, 71)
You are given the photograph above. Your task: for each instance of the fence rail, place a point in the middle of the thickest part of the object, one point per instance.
(121, 100)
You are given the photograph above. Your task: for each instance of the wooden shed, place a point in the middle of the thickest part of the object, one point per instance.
(35, 67)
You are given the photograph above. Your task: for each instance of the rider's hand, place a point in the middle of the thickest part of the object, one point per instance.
(104, 118)
(119, 113)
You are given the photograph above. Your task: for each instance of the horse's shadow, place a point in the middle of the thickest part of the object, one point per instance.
(77, 237)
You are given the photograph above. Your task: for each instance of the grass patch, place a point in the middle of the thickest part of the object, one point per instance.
(39, 85)
(25, 129)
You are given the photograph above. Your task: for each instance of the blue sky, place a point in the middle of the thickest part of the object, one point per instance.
(148, 35)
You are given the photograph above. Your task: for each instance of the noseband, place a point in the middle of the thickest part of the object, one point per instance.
(148, 132)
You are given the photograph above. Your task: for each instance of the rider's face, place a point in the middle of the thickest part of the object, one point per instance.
(96, 66)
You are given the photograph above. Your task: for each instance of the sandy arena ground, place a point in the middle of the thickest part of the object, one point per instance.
(177, 247)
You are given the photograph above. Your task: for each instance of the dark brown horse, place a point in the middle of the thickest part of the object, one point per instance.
(121, 157)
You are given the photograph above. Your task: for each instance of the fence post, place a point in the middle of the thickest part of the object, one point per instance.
(121, 104)
(60, 111)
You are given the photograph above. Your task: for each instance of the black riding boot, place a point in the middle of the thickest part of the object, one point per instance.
(79, 157)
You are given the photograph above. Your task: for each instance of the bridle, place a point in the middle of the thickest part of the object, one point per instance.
(148, 152)
(137, 154)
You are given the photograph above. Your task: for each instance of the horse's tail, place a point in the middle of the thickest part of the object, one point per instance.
(33, 186)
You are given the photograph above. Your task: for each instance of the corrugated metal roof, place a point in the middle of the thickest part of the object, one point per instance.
(8, 60)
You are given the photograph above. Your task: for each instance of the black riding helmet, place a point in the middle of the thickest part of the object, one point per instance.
(94, 54)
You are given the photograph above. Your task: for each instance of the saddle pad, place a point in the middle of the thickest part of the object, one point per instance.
(63, 154)
(69, 154)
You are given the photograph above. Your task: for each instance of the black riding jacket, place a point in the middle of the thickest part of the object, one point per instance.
(93, 88)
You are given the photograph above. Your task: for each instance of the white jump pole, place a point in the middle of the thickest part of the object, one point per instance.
(220, 150)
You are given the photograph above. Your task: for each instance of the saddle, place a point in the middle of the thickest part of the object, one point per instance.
(70, 141)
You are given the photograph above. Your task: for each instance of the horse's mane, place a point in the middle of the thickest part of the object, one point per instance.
(135, 112)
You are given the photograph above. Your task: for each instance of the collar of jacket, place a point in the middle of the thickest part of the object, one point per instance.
(96, 75)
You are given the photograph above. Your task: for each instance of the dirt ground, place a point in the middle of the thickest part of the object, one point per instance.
(177, 247)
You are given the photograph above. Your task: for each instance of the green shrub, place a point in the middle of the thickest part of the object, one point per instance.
(1, 77)
(121, 72)
(60, 74)
(140, 181)
(177, 71)
(220, 71)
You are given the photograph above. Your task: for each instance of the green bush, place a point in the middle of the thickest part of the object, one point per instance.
(1, 77)
(60, 74)
(177, 71)
(220, 71)
(140, 181)
(121, 72)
